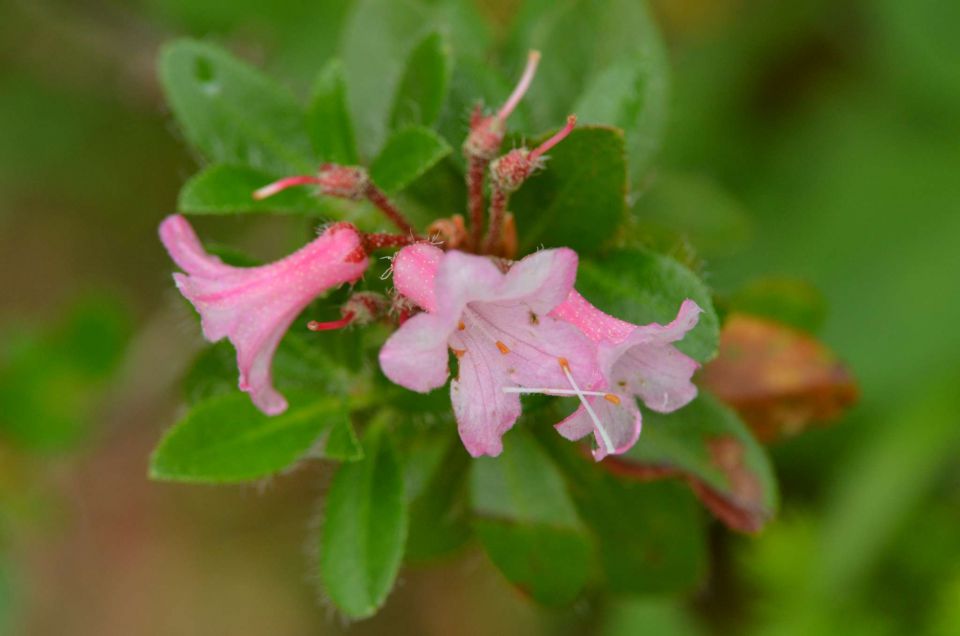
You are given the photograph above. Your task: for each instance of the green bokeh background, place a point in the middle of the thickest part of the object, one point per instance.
(831, 130)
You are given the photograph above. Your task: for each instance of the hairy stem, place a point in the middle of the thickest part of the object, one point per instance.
(498, 210)
(379, 199)
(476, 173)
(376, 241)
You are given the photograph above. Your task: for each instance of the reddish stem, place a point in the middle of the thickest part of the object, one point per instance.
(348, 317)
(379, 199)
(476, 175)
(498, 210)
(376, 241)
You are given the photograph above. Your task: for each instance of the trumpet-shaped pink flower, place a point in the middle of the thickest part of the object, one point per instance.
(254, 306)
(636, 361)
(498, 326)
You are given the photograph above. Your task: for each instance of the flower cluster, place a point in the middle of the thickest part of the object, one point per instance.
(514, 326)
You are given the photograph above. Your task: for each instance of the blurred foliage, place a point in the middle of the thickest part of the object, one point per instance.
(812, 140)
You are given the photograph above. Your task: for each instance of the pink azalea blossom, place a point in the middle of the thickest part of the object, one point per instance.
(254, 306)
(497, 325)
(636, 361)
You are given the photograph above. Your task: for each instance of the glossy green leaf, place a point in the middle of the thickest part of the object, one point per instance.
(605, 61)
(707, 444)
(224, 189)
(232, 112)
(299, 364)
(407, 155)
(328, 117)
(423, 86)
(376, 42)
(436, 467)
(225, 439)
(342, 443)
(641, 287)
(527, 523)
(650, 536)
(578, 200)
(365, 528)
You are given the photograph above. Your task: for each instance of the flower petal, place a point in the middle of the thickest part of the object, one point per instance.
(463, 278)
(255, 306)
(531, 346)
(185, 248)
(621, 425)
(415, 356)
(597, 325)
(483, 410)
(542, 280)
(414, 271)
(647, 364)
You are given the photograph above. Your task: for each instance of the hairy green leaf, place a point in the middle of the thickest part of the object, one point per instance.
(707, 444)
(423, 87)
(328, 117)
(225, 189)
(232, 112)
(527, 522)
(578, 200)
(365, 528)
(226, 439)
(650, 536)
(407, 155)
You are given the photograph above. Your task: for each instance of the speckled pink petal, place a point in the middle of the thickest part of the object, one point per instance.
(415, 356)
(647, 364)
(597, 325)
(542, 280)
(414, 270)
(483, 411)
(253, 307)
(621, 425)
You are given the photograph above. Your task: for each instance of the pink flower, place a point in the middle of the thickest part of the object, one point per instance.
(636, 361)
(497, 325)
(254, 306)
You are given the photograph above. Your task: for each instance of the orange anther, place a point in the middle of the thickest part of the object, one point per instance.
(504, 349)
(612, 399)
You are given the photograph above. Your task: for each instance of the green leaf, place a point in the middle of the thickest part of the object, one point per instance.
(423, 87)
(407, 155)
(641, 287)
(691, 208)
(650, 536)
(328, 117)
(225, 439)
(342, 443)
(436, 467)
(605, 61)
(224, 189)
(365, 528)
(299, 365)
(232, 112)
(578, 200)
(708, 445)
(528, 524)
(376, 41)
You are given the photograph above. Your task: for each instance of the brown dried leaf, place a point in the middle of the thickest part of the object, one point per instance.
(779, 379)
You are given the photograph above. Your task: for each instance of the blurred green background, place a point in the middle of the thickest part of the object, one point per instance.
(829, 129)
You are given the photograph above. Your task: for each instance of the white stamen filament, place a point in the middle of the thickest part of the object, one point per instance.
(586, 404)
(523, 390)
